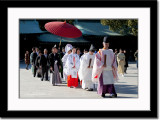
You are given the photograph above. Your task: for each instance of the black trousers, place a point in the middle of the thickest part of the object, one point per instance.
(45, 72)
(27, 66)
(125, 69)
(34, 71)
(62, 73)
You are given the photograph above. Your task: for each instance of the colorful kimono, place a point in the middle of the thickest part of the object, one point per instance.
(105, 76)
(121, 62)
(85, 73)
(72, 73)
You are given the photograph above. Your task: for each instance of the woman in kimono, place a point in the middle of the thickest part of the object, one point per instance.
(85, 71)
(84, 52)
(121, 62)
(68, 50)
(72, 65)
(105, 70)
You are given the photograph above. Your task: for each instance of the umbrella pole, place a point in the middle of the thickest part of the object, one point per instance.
(60, 42)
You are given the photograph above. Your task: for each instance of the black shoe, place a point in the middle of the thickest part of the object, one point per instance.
(41, 79)
(90, 89)
(113, 96)
(103, 95)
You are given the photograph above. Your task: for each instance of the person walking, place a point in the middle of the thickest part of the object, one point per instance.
(37, 50)
(27, 60)
(84, 52)
(72, 65)
(44, 65)
(68, 50)
(31, 55)
(85, 71)
(38, 67)
(78, 51)
(61, 54)
(116, 52)
(121, 62)
(55, 65)
(105, 70)
(33, 58)
(126, 61)
(136, 57)
(63, 51)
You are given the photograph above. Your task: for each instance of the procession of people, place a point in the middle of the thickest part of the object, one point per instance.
(90, 70)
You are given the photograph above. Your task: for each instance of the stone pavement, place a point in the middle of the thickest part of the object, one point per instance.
(33, 88)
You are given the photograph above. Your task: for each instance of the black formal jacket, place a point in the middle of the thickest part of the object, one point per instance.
(34, 56)
(44, 61)
(38, 61)
(62, 54)
(126, 59)
(52, 60)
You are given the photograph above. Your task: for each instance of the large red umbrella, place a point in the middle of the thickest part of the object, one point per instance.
(63, 29)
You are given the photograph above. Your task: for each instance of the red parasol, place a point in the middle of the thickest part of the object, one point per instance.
(63, 29)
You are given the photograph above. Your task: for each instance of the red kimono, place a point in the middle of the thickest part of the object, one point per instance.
(72, 81)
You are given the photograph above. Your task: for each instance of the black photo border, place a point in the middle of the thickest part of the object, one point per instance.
(152, 4)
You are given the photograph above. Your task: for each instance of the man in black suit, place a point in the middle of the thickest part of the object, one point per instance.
(44, 65)
(54, 57)
(38, 64)
(63, 52)
(34, 56)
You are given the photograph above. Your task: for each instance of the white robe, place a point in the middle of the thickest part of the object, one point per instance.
(80, 66)
(64, 59)
(70, 63)
(85, 73)
(82, 57)
(109, 72)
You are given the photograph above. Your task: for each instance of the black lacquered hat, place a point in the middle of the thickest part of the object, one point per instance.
(105, 39)
(92, 48)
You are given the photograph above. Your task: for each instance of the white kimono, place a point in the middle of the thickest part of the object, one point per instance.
(109, 72)
(82, 57)
(64, 59)
(85, 73)
(70, 63)
(80, 66)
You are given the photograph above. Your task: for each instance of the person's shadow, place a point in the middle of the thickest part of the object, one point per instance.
(126, 89)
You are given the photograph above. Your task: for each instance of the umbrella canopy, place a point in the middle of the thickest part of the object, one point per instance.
(63, 29)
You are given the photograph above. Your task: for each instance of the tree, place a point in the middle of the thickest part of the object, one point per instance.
(122, 26)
